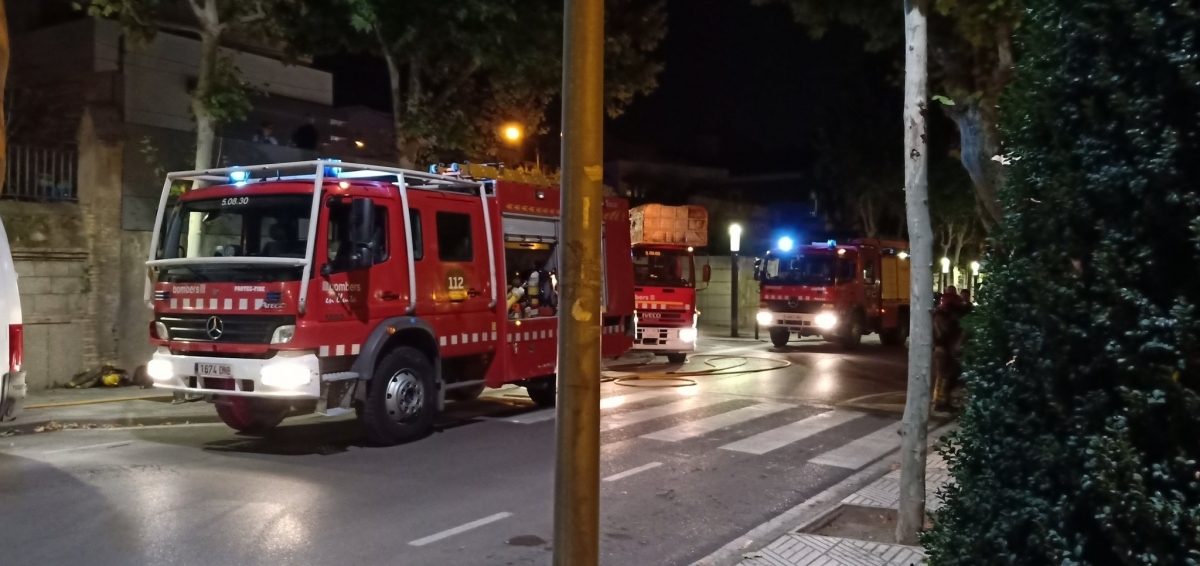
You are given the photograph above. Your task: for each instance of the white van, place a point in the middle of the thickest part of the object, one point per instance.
(12, 345)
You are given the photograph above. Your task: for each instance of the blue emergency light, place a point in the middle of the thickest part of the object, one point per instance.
(785, 244)
(239, 178)
(331, 171)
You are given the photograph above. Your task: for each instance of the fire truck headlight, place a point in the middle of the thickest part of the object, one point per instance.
(283, 334)
(160, 370)
(160, 331)
(285, 375)
(687, 334)
(764, 318)
(826, 320)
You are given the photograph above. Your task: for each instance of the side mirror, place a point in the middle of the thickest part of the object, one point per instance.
(758, 268)
(362, 232)
(706, 273)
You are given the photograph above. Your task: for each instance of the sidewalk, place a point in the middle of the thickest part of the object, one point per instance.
(804, 535)
(103, 407)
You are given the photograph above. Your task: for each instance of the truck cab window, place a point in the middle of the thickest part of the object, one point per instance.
(869, 271)
(531, 269)
(418, 238)
(846, 269)
(454, 237)
(339, 246)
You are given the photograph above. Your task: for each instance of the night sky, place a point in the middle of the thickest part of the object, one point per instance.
(743, 87)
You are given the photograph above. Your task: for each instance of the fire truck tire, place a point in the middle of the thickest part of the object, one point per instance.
(543, 390)
(780, 337)
(252, 416)
(853, 334)
(677, 358)
(465, 393)
(401, 398)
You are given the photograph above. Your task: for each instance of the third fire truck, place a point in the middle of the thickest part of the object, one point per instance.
(839, 292)
(334, 287)
(664, 276)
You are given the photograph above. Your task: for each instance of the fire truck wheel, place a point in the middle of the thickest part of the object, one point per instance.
(465, 393)
(542, 390)
(853, 335)
(780, 337)
(677, 358)
(401, 398)
(252, 416)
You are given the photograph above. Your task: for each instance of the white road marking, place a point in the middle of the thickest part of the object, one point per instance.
(636, 470)
(716, 422)
(93, 446)
(862, 451)
(764, 442)
(460, 529)
(634, 417)
(531, 417)
(619, 400)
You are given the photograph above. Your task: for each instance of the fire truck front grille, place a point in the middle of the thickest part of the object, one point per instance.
(652, 317)
(233, 329)
(801, 307)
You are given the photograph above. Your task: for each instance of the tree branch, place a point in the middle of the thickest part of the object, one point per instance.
(259, 14)
(452, 86)
(198, 10)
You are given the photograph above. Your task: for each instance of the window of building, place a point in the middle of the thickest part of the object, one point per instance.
(454, 237)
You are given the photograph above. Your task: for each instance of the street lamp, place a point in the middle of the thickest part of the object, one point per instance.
(512, 133)
(974, 275)
(945, 272)
(735, 245)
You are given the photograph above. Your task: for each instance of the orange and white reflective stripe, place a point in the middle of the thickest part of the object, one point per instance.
(662, 305)
(465, 338)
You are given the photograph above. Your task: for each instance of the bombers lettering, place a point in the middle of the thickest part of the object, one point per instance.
(188, 289)
(644, 297)
(341, 287)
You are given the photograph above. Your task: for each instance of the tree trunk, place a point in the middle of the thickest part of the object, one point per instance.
(210, 50)
(4, 56)
(960, 238)
(406, 150)
(979, 138)
(916, 192)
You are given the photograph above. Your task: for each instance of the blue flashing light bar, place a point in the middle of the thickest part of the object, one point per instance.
(785, 244)
(239, 178)
(331, 171)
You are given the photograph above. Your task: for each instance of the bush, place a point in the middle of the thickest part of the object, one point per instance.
(1080, 439)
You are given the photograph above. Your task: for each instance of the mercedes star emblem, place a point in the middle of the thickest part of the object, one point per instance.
(214, 327)
(791, 303)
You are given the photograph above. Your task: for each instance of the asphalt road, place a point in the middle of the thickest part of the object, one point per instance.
(686, 470)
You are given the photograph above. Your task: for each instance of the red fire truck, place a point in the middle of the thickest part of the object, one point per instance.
(839, 292)
(326, 286)
(664, 276)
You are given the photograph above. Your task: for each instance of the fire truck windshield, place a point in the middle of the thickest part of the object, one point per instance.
(663, 268)
(810, 270)
(242, 226)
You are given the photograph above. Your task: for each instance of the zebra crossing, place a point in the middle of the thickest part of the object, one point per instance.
(708, 415)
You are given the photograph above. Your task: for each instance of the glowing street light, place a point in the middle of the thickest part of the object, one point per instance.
(974, 268)
(945, 265)
(735, 245)
(735, 237)
(512, 133)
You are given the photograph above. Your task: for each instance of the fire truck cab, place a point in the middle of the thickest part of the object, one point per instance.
(838, 292)
(664, 276)
(327, 286)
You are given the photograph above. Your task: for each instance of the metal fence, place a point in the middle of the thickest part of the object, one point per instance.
(41, 174)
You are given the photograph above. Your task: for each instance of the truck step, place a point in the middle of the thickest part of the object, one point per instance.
(334, 412)
(339, 376)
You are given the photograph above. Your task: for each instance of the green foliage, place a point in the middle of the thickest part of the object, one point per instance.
(462, 69)
(227, 97)
(1079, 442)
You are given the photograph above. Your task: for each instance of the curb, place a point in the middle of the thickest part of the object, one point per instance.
(813, 510)
(96, 401)
(103, 424)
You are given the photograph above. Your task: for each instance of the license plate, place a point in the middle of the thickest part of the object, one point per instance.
(214, 370)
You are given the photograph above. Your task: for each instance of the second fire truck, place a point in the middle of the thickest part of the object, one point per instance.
(334, 287)
(838, 292)
(664, 276)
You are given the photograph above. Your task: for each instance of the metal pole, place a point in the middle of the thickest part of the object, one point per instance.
(733, 305)
(577, 442)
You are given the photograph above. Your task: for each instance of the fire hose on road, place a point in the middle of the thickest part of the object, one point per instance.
(681, 378)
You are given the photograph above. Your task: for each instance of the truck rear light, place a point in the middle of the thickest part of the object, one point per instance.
(16, 347)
